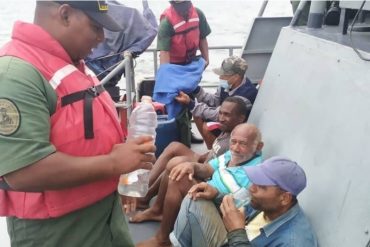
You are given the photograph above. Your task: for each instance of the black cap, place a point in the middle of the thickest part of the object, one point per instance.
(97, 11)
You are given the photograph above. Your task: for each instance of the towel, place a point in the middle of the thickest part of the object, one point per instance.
(173, 78)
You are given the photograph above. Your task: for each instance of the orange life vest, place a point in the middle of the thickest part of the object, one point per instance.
(32, 44)
(185, 41)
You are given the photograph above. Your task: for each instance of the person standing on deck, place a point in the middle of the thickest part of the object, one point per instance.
(182, 31)
(62, 151)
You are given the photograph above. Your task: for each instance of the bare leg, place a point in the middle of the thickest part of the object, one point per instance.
(154, 213)
(177, 190)
(172, 150)
(143, 203)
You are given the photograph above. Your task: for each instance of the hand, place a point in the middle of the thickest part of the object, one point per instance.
(232, 217)
(180, 170)
(129, 204)
(183, 98)
(202, 191)
(206, 64)
(134, 154)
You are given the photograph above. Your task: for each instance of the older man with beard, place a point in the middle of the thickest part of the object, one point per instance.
(226, 173)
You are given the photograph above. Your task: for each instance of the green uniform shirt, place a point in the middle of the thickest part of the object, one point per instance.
(26, 103)
(26, 100)
(166, 31)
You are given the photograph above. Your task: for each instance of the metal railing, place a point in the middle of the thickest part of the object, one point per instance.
(230, 48)
(128, 65)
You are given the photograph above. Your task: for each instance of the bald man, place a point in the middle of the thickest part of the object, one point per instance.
(245, 149)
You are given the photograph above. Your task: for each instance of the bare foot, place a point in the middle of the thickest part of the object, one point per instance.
(146, 215)
(142, 204)
(154, 242)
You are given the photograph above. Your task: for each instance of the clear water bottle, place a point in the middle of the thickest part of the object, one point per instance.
(241, 197)
(143, 121)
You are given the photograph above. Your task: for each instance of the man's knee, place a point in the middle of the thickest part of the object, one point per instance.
(173, 148)
(199, 207)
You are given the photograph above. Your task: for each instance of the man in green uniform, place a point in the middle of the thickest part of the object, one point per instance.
(182, 31)
(166, 32)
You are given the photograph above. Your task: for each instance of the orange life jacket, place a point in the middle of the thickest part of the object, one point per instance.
(185, 41)
(32, 44)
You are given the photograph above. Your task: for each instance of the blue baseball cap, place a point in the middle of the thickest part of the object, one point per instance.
(97, 10)
(278, 171)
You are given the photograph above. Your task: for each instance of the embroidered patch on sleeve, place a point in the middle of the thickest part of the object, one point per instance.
(9, 117)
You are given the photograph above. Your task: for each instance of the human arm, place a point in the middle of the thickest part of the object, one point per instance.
(234, 221)
(184, 99)
(199, 109)
(164, 57)
(203, 47)
(165, 33)
(59, 170)
(201, 171)
(30, 161)
(203, 158)
(202, 191)
(204, 30)
(206, 112)
(211, 99)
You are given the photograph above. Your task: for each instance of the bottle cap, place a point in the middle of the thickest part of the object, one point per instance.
(146, 99)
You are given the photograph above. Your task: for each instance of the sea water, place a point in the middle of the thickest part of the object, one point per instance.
(230, 21)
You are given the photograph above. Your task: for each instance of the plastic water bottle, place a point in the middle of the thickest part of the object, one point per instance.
(241, 197)
(143, 121)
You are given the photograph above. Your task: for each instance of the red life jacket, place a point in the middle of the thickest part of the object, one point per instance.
(32, 44)
(185, 42)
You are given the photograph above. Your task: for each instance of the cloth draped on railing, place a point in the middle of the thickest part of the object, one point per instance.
(173, 78)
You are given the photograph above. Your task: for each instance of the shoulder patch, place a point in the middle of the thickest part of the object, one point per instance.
(9, 117)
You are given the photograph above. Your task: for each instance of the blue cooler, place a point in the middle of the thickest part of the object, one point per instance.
(167, 132)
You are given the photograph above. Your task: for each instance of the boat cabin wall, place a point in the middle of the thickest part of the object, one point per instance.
(313, 107)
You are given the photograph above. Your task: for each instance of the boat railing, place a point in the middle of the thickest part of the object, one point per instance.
(229, 48)
(128, 65)
(125, 105)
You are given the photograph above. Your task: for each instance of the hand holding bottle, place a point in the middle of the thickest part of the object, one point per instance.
(132, 155)
(232, 217)
(143, 122)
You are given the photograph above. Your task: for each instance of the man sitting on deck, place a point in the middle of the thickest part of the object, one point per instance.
(232, 83)
(231, 113)
(274, 217)
(226, 172)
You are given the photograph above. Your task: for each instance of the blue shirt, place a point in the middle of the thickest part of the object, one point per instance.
(292, 229)
(237, 172)
(246, 90)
